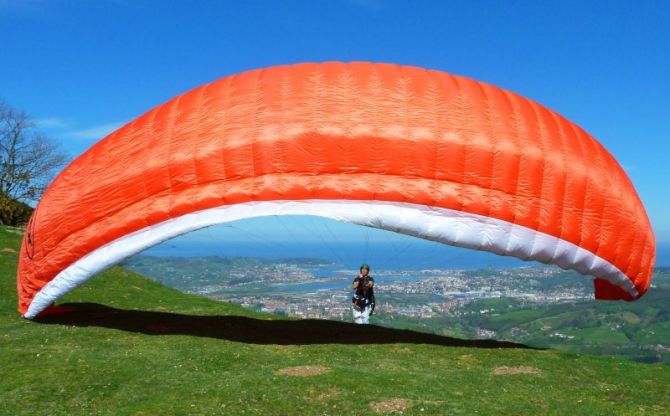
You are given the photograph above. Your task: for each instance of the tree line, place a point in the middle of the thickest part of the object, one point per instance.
(29, 161)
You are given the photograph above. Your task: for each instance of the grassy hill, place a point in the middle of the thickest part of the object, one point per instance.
(132, 346)
(636, 330)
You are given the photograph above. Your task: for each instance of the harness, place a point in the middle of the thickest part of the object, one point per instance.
(361, 301)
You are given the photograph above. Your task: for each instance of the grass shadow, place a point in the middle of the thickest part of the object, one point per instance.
(251, 330)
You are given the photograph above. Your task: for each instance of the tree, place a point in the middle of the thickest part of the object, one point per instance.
(28, 161)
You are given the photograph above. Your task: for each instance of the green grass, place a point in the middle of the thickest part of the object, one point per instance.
(133, 347)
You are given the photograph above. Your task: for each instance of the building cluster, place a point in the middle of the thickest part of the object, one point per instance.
(411, 293)
(434, 293)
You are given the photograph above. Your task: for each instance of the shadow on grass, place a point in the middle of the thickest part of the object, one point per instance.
(251, 330)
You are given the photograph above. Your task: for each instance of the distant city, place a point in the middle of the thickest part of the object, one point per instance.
(313, 288)
(436, 292)
(538, 305)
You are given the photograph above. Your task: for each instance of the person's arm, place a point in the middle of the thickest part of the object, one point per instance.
(370, 283)
(356, 281)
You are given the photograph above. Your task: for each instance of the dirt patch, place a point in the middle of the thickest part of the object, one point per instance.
(391, 405)
(302, 371)
(324, 396)
(506, 371)
(8, 250)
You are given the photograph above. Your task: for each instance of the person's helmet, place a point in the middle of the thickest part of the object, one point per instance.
(364, 266)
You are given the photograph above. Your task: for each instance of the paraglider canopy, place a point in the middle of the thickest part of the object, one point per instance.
(414, 151)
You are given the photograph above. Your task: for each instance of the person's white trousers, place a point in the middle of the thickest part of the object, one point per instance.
(362, 316)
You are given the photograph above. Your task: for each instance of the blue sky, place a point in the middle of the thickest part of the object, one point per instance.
(83, 68)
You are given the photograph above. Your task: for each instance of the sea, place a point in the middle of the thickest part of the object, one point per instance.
(380, 255)
(344, 244)
(415, 254)
(344, 258)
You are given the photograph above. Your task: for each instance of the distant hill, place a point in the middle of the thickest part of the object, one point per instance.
(637, 330)
(131, 346)
(189, 272)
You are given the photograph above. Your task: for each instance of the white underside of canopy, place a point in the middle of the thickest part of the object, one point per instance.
(439, 224)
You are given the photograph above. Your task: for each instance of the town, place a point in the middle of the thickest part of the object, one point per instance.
(536, 305)
(292, 288)
(438, 292)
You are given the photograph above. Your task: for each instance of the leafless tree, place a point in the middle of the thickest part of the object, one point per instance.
(28, 159)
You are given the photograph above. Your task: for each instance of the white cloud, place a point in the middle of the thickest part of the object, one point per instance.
(96, 133)
(51, 123)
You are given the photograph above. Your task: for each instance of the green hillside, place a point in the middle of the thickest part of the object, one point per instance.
(636, 330)
(132, 346)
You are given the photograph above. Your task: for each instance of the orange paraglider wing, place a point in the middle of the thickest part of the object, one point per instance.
(414, 151)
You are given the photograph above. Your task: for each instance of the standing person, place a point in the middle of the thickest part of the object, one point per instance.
(364, 296)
